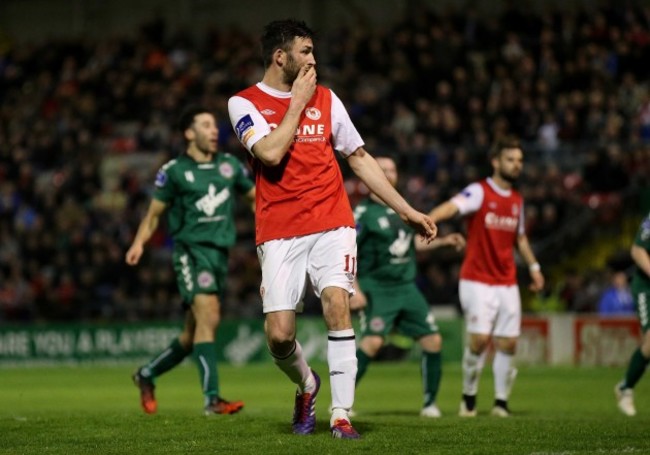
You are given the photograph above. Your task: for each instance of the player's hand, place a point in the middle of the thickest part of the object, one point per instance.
(358, 301)
(304, 86)
(537, 281)
(423, 225)
(134, 254)
(456, 240)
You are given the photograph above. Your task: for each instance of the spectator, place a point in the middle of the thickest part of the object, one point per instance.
(617, 297)
(83, 122)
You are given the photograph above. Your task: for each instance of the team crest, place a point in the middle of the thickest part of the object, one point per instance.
(161, 178)
(377, 324)
(515, 209)
(226, 170)
(312, 113)
(205, 279)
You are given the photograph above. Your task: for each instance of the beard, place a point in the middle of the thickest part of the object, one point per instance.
(290, 71)
(205, 146)
(510, 178)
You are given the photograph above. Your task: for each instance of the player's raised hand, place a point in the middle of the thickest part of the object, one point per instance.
(304, 85)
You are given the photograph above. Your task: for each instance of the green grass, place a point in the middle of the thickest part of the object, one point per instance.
(95, 410)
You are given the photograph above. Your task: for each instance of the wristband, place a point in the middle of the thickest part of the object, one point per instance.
(535, 267)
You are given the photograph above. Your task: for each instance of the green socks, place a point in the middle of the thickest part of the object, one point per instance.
(205, 356)
(635, 369)
(167, 359)
(431, 373)
(431, 367)
(362, 364)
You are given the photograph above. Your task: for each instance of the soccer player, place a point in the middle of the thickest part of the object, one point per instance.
(386, 291)
(640, 252)
(488, 289)
(304, 224)
(197, 189)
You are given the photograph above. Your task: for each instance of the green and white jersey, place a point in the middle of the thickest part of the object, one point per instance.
(642, 239)
(200, 198)
(385, 245)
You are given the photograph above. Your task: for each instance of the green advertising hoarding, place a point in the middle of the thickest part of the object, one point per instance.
(238, 342)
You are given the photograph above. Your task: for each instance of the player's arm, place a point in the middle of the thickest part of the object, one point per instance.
(358, 301)
(271, 148)
(641, 258)
(455, 240)
(533, 266)
(464, 203)
(147, 227)
(444, 211)
(367, 169)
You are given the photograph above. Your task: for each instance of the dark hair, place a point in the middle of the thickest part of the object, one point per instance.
(280, 35)
(504, 142)
(186, 118)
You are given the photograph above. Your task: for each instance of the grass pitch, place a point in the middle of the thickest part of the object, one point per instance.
(95, 410)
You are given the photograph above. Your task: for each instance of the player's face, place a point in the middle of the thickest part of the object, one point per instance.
(508, 164)
(301, 54)
(206, 133)
(390, 169)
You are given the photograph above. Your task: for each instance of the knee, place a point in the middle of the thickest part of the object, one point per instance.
(478, 343)
(208, 320)
(280, 341)
(186, 339)
(206, 311)
(507, 345)
(431, 343)
(371, 345)
(214, 318)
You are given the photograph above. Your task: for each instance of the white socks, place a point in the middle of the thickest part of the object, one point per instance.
(472, 367)
(342, 361)
(501, 369)
(295, 367)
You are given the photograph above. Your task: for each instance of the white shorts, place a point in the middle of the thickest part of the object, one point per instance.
(491, 309)
(327, 258)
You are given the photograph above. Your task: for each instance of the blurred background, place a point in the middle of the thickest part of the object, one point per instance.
(90, 92)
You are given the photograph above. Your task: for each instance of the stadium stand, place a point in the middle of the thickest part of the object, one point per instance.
(84, 124)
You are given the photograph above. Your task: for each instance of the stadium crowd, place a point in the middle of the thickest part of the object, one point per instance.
(84, 125)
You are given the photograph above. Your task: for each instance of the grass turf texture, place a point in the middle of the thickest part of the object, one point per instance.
(95, 410)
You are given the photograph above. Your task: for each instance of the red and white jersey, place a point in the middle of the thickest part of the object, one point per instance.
(304, 194)
(494, 221)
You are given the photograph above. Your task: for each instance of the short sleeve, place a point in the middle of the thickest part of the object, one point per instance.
(164, 185)
(247, 122)
(470, 199)
(345, 137)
